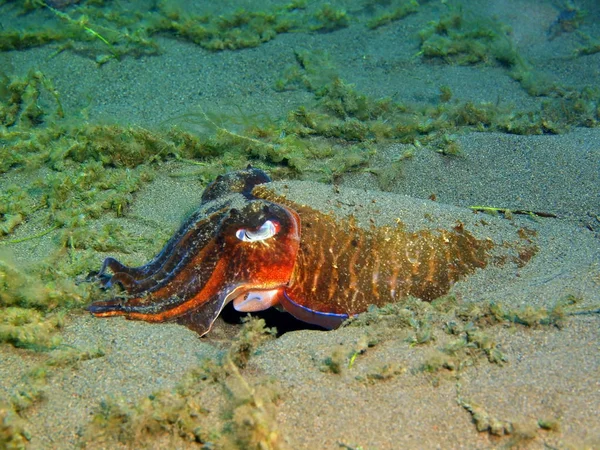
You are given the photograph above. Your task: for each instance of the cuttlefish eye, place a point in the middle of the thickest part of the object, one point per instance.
(266, 230)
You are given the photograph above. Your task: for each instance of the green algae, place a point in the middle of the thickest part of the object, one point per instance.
(461, 40)
(69, 176)
(405, 314)
(27, 328)
(12, 429)
(335, 362)
(549, 424)
(456, 333)
(343, 358)
(383, 372)
(33, 306)
(520, 431)
(311, 70)
(529, 316)
(109, 31)
(467, 39)
(342, 112)
(464, 337)
(240, 414)
(20, 100)
(287, 147)
(485, 422)
(103, 33)
(328, 18)
(82, 24)
(457, 38)
(591, 47)
(426, 323)
(396, 10)
(21, 40)
(241, 29)
(252, 334)
(77, 173)
(29, 391)
(112, 31)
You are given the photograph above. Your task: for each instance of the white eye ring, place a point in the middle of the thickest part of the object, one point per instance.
(267, 230)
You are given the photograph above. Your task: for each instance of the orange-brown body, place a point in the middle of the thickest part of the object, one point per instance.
(342, 268)
(248, 245)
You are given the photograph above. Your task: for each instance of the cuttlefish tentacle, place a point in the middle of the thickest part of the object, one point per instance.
(177, 247)
(175, 255)
(139, 273)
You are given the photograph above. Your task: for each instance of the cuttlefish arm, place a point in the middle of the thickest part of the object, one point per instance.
(241, 245)
(202, 222)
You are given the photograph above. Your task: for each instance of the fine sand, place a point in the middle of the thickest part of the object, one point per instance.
(383, 396)
(549, 373)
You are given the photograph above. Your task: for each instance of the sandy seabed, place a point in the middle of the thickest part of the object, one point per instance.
(384, 399)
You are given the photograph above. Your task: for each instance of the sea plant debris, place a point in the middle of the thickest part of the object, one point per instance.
(12, 428)
(485, 422)
(240, 415)
(509, 212)
(252, 334)
(396, 11)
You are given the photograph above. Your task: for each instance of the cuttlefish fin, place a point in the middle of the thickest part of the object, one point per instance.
(323, 319)
(259, 300)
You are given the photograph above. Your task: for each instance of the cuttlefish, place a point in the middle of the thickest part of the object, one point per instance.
(250, 246)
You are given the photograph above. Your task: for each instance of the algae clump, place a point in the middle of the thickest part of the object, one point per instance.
(241, 413)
